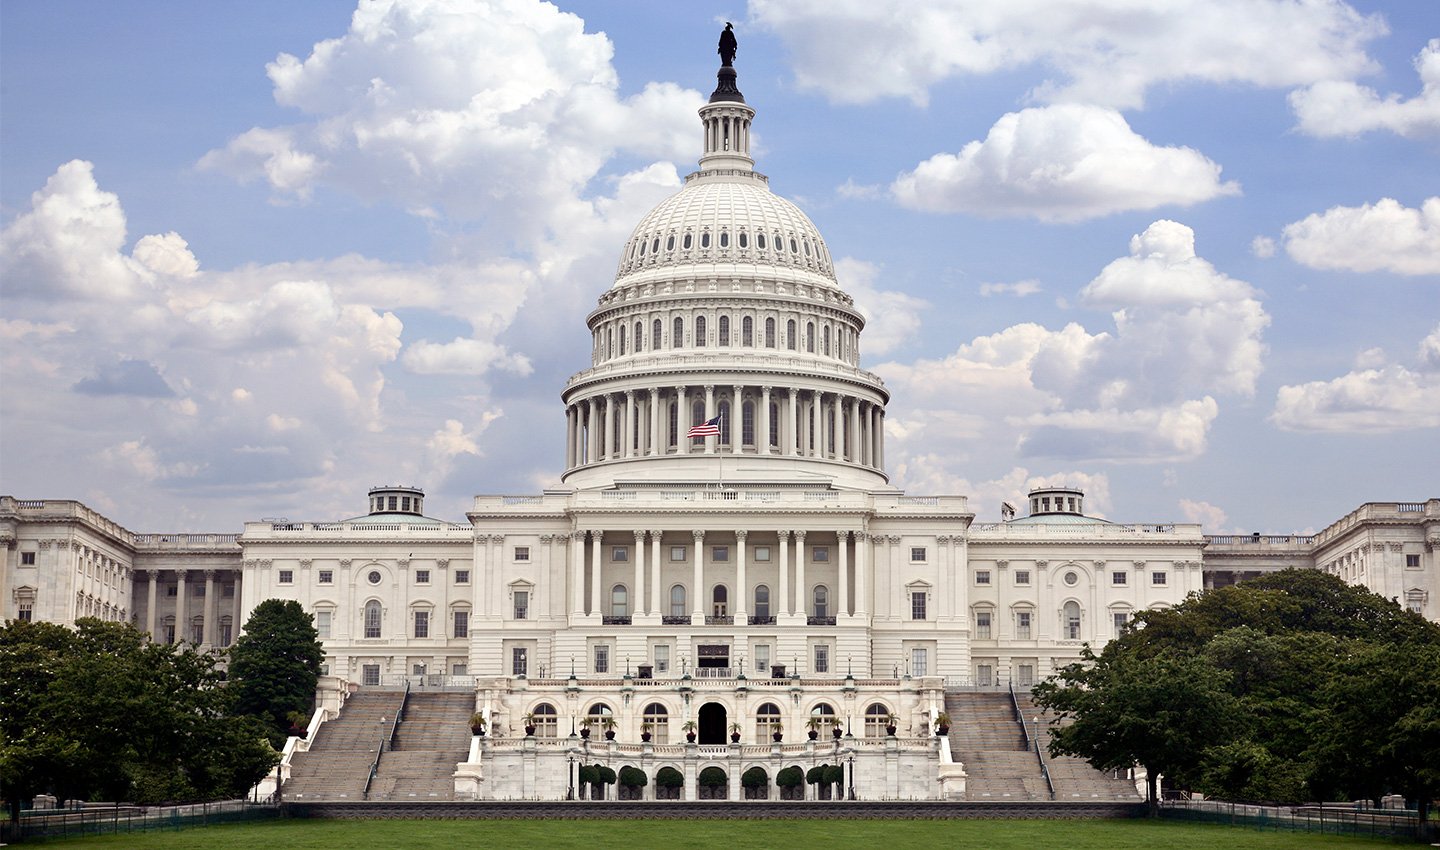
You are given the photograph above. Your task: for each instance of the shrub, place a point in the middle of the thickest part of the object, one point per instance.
(755, 777)
(669, 777)
(604, 774)
(816, 774)
(633, 777)
(713, 777)
(790, 777)
(588, 774)
(834, 774)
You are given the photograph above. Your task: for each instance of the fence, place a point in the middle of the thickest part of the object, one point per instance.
(1334, 820)
(96, 819)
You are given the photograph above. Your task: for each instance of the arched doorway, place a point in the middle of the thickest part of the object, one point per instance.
(712, 723)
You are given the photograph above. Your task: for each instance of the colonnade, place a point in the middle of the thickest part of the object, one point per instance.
(779, 421)
(211, 610)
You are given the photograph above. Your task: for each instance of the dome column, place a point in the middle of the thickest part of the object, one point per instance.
(712, 442)
(628, 450)
(762, 439)
(653, 448)
(682, 409)
(837, 434)
(817, 434)
(854, 441)
(737, 413)
(607, 439)
(790, 433)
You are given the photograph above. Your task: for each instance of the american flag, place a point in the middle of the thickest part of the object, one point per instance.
(705, 429)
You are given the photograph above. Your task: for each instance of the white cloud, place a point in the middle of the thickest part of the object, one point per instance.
(1211, 517)
(1383, 236)
(1262, 247)
(1019, 289)
(1099, 51)
(463, 357)
(1384, 398)
(1067, 162)
(166, 254)
(1345, 108)
(891, 318)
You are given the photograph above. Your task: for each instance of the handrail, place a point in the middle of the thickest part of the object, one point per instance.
(390, 739)
(1032, 741)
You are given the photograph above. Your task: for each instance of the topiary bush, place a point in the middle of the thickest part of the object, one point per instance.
(834, 774)
(668, 782)
(755, 777)
(790, 777)
(633, 777)
(605, 774)
(816, 774)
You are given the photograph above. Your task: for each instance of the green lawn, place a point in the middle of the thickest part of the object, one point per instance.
(730, 835)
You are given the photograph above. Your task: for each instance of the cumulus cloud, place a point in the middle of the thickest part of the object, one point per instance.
(1099, 51)
(1211, 518)
(1345, 108)
(1144, 390)
(1384, 398)
(1262, 247)
(463, 357)
(1384, 236)
(1019, 288)
(128, 377)
(891, 317)
(1068, 162)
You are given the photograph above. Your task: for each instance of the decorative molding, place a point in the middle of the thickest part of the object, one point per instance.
(442, 563)
(740, 535)
(1041, 564)
(344, 563)
(304, 563)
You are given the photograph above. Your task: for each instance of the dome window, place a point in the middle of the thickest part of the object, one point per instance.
(642, 247)
(705, 240)
(670, 243)
(779, 243)
(686, 243)
(794, 249)
(807, 247)
(759, 241)
(724, 239)
(655, 247)
(744, 240)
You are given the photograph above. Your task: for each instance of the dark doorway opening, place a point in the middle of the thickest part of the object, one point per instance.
(712, 723)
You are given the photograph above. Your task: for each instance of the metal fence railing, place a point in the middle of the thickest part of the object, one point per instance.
(119, 818)
(1334, 820)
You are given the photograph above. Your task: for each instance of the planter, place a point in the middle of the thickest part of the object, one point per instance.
(734, 737)
(610, 734)
(778, 736)
(645, 736)
(690, 736)
(477, 730)
(942, 731)
(530, 731)
(585, 732)
(297, 731)
(890, 730)
(836, 732)
(814, 735)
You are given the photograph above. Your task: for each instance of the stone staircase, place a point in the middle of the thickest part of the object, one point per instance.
(339, 759)
(1074, 778)
(987, 738)
(433, 737)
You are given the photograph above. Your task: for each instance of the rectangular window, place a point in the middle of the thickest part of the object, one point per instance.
(677, 554)
(26, 612)
(522, 604)
(519, 661)
(287, 576)
(459, 668)
(1022, 578)
(197, 590)
(662, 658)
(982, 625)
(762, 553)
(1157, 579)
(327, 576)
(522, 553)
(984, 675)
(226, 634)
(228, 591)
(1412, 562)
(1121, 618)
(820, 554)
(917, 605)
(1022, 625)
(619, 553)
(169, 632)
(602, 659)
(462, 624)
(917, 554)
(982, 576)
(919, 662)
(422, 576)
(822, 659)
(462, 576)
(762, 658)
(422, 624)
(1119, 579)
(719, 554)
(172, 590)
(322, 624)
(27, 559)
(1025, 674)
(370, 674)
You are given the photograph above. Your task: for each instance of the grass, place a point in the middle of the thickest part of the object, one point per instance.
(731, 835)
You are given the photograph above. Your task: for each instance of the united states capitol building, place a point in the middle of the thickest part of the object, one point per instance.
(760, 582)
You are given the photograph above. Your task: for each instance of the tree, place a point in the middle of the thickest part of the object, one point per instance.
(1160, 712)
(275, 665)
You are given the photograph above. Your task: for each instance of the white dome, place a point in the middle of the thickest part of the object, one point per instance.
(721, 223)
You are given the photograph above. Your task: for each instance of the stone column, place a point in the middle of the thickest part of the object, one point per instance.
(182, 628)
(152, 602)
(607, 440)
(837, 414)
(943, 576)
(853, 443)
(697, 607)
(628, 450)
(210, 610)
(737, 413)
(597, 540)
(656, 589)
(791, 432)
(682, 410)
(577, 574)
(802, 604)
(784, 547)
(712, 442)
(862, 567)
(638, 593)
(874, 439)
(762, 438)
(842, 542)
(816, 434)
(880, 439)
(742, 589)
(592, 433)
(655, 439)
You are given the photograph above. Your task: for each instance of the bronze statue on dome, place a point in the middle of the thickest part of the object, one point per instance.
(728, 46)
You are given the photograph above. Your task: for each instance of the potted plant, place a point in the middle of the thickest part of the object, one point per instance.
(689, 727)
(813, 724)
(646, 731)
(477, 724)
(777, 733)
(608, 724)
(734, 733)
(530, 721)
(890, 721)
(299, 724)
(836, 731)
(942, 724)
(585, 727)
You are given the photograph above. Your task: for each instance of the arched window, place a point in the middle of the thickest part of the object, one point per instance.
(876, 719)
(744, 240)
(760, 241)
(823, 717)
(724, 239)
(677, 600)
(1072, 620)
(790, 334)
(622, 339)
(656, 720)
(822, 601)
(546, 720)
(747, 424)
(670, 242)
(825, 337)
(720, 600)
(642, 247)
(655, 246)
(705, 240)
(674, 425)
(724, 410)
(810, 337)
(677, 336)
(747, 331)
(609, 343)
(762, 602)
(655, 331)
(699, 331)
(686, 243)
(619, 601)
(639, 337)
(725, 330)
(372, 619)
(767, 720)
(697, 415)
(775, 424)
(770, 333)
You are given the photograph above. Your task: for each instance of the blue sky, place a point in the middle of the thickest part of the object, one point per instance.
(258, 257)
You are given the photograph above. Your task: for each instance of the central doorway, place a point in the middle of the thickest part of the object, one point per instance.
(712, 723)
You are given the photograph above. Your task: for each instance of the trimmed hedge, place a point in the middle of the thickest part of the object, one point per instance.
(755, 777)
(669, 777)
(713, 777)
(633, 777)
(790, 777)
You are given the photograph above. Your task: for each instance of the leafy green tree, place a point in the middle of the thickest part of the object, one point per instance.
(275, 665)
(1160, 712)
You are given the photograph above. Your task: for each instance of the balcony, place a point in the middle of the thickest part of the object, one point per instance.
(756, 620)
(819, 621)
(675, 620)
(720, 620)
(615, 620)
